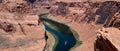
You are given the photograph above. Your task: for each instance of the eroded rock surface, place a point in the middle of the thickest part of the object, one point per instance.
(21, 30)
(22, 33)
(108, 40)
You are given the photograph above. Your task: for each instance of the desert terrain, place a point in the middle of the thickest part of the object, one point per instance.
(97, 23)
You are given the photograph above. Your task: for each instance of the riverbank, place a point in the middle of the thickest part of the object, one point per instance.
(50, 42)
(86, 32)
(65, 30)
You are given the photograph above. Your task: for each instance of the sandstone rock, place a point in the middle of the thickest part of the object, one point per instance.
(19, 29)
(108, 40)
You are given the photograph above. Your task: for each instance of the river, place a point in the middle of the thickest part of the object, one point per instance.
(65, 37)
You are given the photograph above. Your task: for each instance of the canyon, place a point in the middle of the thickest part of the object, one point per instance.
(97, 23)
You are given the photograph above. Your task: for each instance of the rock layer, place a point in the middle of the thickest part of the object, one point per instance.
(20, 27)
(108, 40)
(21, 33)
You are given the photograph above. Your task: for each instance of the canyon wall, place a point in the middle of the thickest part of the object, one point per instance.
(21, 28)
(108, 37)
(108, 40)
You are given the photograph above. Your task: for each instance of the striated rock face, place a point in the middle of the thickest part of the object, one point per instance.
(108, 37)
(24, 32)
(107, 11)
(19, 29)
(103, 44)
(108, 40)
(90, 16)
(114, 21)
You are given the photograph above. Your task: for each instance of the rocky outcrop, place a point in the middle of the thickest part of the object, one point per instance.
(107, 11)
(19, 29)
(115, 21)
(24, 32)
(97, 14)
(108, 40)
(7, 27)
(103, 44)
(108, 37)
(88, 11)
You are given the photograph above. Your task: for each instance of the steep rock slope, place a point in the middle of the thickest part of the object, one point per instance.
(108, 40)
(19, 29)
(18, 19)
(108, 37)
(86, 18)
